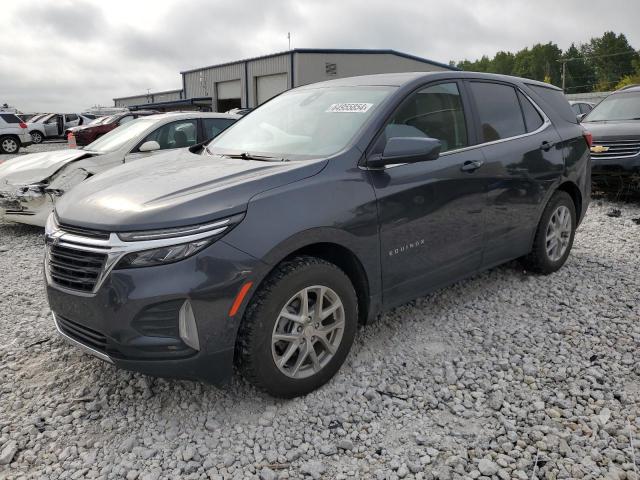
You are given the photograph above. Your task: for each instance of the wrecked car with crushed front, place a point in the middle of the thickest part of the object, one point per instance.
(30, 184)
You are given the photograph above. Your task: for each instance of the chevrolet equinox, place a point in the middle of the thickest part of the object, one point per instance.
(325, 206)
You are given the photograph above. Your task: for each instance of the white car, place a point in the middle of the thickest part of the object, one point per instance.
(13, 133)
(30, 184)
(53, 125)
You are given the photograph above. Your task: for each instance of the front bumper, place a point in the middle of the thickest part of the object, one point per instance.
(113, 323)
(615, 166)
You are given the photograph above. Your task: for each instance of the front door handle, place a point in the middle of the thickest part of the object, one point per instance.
(546, 146)
(471, 165)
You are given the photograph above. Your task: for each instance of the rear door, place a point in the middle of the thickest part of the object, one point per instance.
(523, 159)
(431, 212)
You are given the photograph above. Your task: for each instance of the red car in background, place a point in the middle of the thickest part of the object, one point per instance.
(85, 134)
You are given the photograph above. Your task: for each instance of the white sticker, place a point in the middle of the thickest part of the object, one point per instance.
(349, 107)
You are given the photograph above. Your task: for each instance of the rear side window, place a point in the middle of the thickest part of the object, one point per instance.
(498, 110)
(556, 100)
(71, 117)
(9, 118)
(532, 117)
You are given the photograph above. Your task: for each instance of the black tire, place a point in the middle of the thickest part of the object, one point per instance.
(254, 346)
(37, 137)
(538, 260)
(9, 145)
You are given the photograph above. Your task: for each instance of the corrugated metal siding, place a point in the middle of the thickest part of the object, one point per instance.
(311, 67)
(267, 66)
(201, 83)
(129, 101)
(167, 96)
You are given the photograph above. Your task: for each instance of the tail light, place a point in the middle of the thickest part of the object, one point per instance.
(22, 125)
(588, 138)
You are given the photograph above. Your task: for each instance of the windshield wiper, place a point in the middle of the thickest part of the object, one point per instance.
(251, 156)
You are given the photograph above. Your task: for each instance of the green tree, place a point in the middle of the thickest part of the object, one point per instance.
(612, 57)
(503, 63)
(580, 73)
(539, 63)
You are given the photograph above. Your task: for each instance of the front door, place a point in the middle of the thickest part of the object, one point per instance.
(430, 213)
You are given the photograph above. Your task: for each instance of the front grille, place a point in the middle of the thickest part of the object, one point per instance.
(616, 149)
(75, 269)
(82, 334)
(84, 232)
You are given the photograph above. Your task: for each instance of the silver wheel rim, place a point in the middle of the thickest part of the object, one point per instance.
(36, 137)
(308, 332)
(9, 145)
(558, 233)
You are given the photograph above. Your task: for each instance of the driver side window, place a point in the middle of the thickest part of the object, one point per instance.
(434, 112)
(179, 134)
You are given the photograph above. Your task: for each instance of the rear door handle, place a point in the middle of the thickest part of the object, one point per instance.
(546, 146)
(471, 165)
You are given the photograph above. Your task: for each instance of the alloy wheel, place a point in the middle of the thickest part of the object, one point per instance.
(36, 137)
(558, 233)
(9, 145)
(308, 332)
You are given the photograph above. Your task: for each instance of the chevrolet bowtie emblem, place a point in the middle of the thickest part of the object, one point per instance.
(599, 149)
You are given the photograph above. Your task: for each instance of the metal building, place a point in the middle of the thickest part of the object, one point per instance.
(251, 82)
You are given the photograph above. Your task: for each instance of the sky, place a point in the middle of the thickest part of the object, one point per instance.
(67, 55)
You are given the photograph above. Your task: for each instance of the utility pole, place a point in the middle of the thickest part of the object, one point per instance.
(564, 75)
(289, 38)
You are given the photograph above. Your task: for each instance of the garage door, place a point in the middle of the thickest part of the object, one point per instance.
(227, 90)
(269, 86)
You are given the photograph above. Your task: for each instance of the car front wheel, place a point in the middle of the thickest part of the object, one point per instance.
(9, 145)
(554, 235)
(298, 328)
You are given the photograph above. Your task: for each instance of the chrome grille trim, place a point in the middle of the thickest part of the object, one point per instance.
(113, 248)
(617, 149)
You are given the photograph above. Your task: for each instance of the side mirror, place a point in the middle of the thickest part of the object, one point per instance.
(581, 116)
(150, 146)
(406, 150)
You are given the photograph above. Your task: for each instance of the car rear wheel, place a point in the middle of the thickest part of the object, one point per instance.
(37, 137)
(554, 236)
(299, 327)
(9, 145)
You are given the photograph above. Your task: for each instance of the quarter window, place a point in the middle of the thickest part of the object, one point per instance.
(434, 112)
(125, 119)
(213, 126)
(498, 110)
(174, 135)
(532, 117)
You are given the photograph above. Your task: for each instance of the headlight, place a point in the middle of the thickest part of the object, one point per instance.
(163, 255)
(175, 243)
(213, 228)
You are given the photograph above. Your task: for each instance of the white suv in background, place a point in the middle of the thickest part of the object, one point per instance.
(13, 133)
(54, 125)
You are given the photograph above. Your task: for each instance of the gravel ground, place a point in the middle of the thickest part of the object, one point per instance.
(47, 146)
(505, 375)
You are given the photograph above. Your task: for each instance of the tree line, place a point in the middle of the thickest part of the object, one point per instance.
(604, 63)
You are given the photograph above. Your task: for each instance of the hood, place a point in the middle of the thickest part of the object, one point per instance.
(174, 189)
(614, 130)
(37, 167)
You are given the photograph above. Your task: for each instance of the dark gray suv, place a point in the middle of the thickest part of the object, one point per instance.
(317, 211)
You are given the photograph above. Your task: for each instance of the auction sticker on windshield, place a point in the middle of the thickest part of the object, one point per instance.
(349, 107)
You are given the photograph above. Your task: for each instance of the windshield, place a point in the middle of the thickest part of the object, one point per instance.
(620, 106)
(98, 121)
(112, 141)
(302, 123)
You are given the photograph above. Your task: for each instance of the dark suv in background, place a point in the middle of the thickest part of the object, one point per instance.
(615, 126)
(325, 206)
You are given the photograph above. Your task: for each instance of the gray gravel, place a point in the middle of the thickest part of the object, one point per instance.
(46, 146)
(506, 375)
